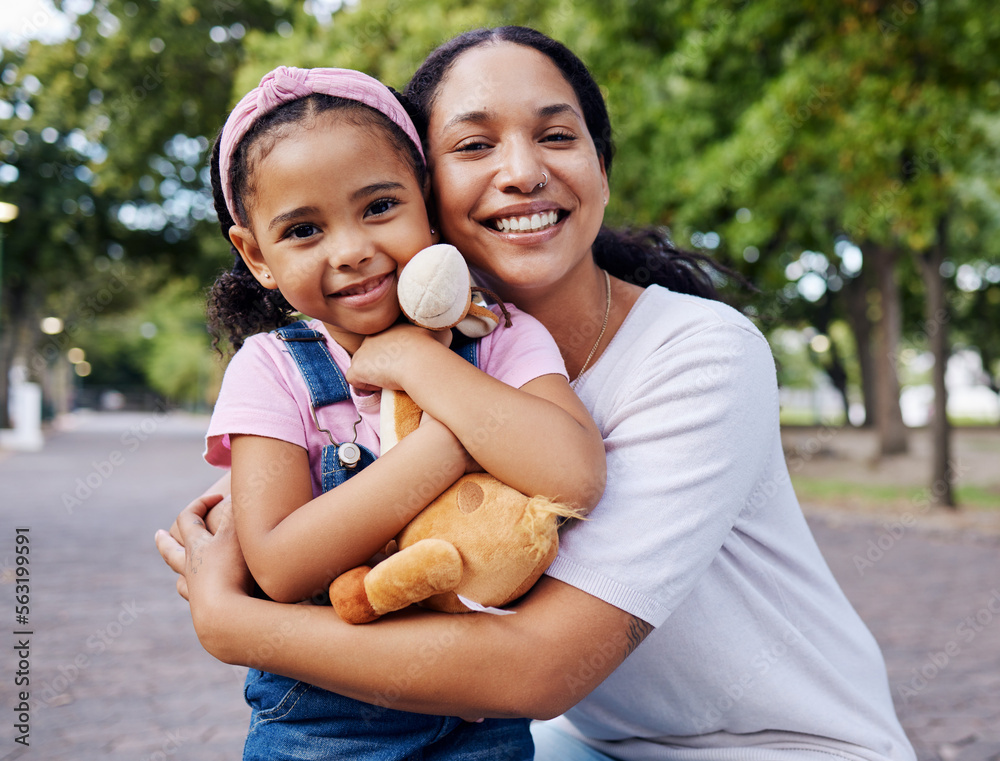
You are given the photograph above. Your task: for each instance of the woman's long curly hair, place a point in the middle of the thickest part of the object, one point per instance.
(238, 306)
(644, 256)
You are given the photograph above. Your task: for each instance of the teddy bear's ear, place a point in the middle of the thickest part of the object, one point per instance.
(479, 322)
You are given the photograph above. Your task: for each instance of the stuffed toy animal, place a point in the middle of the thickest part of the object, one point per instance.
(481, 540)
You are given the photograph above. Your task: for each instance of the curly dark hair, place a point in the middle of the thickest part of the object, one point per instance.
(238, 306)
(642, 257)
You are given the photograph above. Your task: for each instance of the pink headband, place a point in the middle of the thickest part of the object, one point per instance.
(286, 84)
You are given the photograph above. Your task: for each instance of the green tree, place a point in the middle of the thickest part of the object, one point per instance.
(104, 148)
(821, 124)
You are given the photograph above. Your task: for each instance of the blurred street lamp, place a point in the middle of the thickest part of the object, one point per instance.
(51, 326)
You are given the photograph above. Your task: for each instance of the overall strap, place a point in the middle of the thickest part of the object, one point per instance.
(467, 348)
(327, 385)
(323, 378)
(334, 472)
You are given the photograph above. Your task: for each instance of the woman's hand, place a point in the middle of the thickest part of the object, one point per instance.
(381, 359)
(218, 504)
(207, 563)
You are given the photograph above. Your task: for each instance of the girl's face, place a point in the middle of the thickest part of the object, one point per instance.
(502, 117)
(335, 213)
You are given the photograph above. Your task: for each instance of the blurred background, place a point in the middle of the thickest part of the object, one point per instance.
(843, 156)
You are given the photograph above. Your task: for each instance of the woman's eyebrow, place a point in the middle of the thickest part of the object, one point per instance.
(470, 117)
(557, 109)
(482, 117)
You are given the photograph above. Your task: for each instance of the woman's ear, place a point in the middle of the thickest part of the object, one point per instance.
(605, 185)
(250, 252)
(432, 219)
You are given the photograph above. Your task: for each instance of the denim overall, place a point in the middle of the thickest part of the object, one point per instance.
(295, 720)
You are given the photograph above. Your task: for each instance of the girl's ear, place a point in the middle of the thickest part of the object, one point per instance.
(245, 243)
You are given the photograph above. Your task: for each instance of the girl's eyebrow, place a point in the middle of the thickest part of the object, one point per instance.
(289, 216)
(305, 211)
(376, 187)
(481, 117)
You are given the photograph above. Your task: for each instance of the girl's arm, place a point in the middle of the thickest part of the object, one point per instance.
(539, 438)
(296, 545)
(561, 644)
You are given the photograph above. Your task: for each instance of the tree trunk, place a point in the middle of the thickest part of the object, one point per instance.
(837, 373)
(833, 366)
(936, 327)
(6, 353)
(9, 331)
(993, 383)
(856, 292)
(888, 329)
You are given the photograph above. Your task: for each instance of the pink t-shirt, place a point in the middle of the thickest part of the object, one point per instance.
(263, 392)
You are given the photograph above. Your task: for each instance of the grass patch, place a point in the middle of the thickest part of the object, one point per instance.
(845, 493)
(808, 417)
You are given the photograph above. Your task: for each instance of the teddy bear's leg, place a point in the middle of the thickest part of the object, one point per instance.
(426, 568)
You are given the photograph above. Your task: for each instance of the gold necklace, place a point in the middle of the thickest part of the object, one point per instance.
(607, 314)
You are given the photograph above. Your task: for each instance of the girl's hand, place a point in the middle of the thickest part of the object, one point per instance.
(381, 359)
(207, 563)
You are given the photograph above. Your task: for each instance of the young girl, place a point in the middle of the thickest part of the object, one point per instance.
(320, 184)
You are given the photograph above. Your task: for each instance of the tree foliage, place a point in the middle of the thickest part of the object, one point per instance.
(802, 143)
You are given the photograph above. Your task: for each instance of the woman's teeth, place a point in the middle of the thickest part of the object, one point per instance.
(532, 223)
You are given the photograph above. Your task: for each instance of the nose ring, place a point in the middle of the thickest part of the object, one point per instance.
(545, 180)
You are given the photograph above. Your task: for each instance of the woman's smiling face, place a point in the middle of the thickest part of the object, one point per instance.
(503, 119)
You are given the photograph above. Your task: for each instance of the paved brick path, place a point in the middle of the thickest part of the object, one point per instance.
(932, 599)
(116, 670)
(117, 673)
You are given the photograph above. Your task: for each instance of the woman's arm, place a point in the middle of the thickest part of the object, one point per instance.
(296, 545)
(561, 644)
(539, 438)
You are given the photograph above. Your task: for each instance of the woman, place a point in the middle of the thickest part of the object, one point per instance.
(692, 617)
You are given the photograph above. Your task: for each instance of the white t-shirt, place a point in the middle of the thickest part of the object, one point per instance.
(756, 654)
